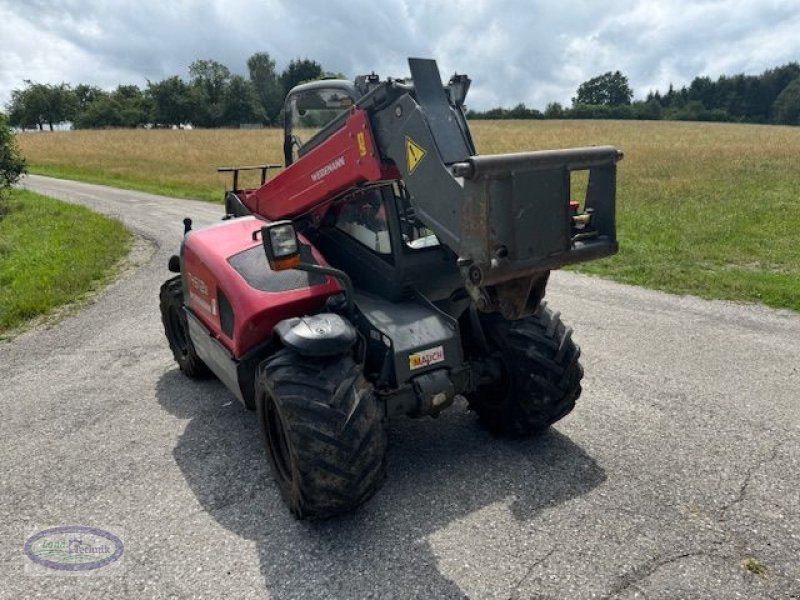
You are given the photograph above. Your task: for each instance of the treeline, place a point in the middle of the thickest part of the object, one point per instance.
(772, 97)
(643, 111)
(213, 96)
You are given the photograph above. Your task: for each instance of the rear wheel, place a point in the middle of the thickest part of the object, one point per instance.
(540, 375)
(322, 430)
(176, 329)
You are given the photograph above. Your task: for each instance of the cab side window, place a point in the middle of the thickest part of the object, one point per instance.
(363, 217)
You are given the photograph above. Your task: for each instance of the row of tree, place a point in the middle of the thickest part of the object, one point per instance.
(772, 97)
(212, 97)
(215, 97)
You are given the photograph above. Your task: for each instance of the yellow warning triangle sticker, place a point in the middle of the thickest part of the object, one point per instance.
(414, 154)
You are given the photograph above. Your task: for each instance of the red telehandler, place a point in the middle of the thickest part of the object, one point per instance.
(385, 270)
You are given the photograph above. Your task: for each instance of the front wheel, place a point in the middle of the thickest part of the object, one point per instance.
(540, 374)
(176, 329)
(322, 427)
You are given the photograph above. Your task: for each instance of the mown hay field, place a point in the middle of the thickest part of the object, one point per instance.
(704, 209)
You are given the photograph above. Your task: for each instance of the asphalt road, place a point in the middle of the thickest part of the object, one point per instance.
(679, 466)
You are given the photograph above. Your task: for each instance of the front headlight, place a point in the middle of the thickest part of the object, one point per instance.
(281, 245)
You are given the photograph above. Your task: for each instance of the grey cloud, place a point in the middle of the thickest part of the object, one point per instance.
(530, 51)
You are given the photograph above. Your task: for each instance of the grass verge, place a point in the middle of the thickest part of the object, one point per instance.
(51, 254)
(128, 182)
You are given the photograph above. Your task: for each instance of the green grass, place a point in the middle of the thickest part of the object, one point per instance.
(51, 254)
(703, 208)
(710, 227)
(128, 182)
(751, 565)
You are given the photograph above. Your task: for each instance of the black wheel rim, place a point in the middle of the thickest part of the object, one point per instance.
(276, 440)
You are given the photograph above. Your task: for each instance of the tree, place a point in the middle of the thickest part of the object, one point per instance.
(20, 113)
(53, 103)
(39, 104)
(520, 111)
(241, 103)
(786, 109)
(704, 90)
(210, 80)
(126, 106)
(650, 110)
(654, 96)
(267, 85)
(212, 76)
(61, 104)
(173, 102)
(134, 107)
(299, 71)
(775, 81)
(84, 95)
(609, 89)
(554, 110)
(12, 165)
(35, 100)
(88, 100)
(102, 112)
(747, 98)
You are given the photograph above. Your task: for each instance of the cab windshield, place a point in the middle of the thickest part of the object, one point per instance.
(310, 111)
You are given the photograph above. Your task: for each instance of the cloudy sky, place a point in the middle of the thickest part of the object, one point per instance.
(531, 51)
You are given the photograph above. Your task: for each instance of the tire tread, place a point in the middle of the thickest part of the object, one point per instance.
(334, 427)
(542, 374)
(171, 305)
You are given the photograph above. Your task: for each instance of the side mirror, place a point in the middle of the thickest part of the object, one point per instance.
(281, 245)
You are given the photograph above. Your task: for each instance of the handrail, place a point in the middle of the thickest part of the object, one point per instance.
(235, 170)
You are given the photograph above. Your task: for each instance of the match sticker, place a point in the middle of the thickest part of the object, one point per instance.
(414, 154)
(426, 358)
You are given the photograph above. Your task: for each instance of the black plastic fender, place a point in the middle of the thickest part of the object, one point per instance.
(323, 334)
